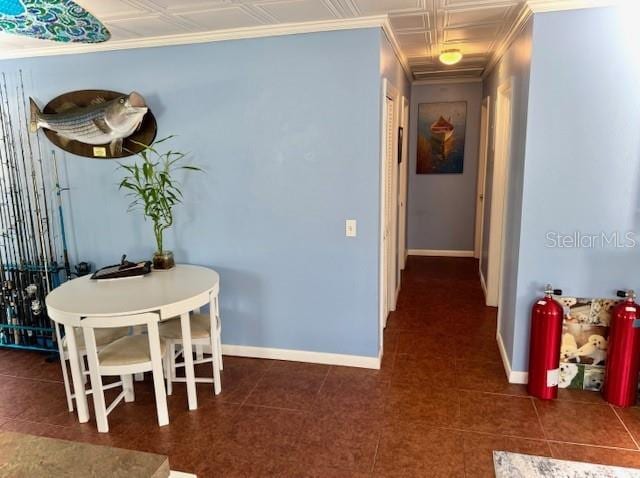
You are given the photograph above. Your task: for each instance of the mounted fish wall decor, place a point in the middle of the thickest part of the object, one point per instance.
(96, 123)
(57, 20)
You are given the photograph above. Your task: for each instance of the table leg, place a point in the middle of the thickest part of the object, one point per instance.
(77, 376)
(189, 372)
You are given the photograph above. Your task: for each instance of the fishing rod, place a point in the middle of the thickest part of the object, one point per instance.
(36, 196)
(25, 233)
(14, 306)
(29, 226)
(15, 190)
(8, 135)
(45, 261)
(40, 156)
(59, 189)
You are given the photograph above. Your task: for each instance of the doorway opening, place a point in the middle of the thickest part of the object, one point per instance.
(482, 179)
(391, 208)
(501, 155)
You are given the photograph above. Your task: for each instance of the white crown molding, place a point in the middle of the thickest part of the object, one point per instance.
(388, 31)
(446, 81)
(540, 6)
(260, 31)
(523, 17)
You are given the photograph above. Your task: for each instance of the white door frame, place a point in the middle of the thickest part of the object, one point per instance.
(482, 173)
(501, 160)
(403, 191)
(386, 260)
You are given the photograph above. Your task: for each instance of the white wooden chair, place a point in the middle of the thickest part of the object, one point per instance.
(103, 338)
(125, 357)
(205, 334)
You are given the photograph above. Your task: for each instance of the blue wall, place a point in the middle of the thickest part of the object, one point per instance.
(441, 209)
(287, 129)
(514, 66)
(582, 167)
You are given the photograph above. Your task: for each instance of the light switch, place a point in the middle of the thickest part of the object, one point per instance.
(351, 228)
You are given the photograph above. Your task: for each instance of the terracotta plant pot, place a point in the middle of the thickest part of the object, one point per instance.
(163, 260)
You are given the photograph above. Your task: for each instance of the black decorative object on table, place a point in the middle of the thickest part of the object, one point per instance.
(123, 270)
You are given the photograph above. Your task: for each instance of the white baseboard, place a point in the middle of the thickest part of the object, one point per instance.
(512, 375)
(483, 283)
(439, 253)
(301, 356)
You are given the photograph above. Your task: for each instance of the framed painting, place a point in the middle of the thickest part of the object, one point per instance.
(441, 136)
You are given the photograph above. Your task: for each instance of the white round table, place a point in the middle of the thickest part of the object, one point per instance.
(171, 293)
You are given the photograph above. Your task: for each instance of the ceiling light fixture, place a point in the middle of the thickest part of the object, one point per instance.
(450, 57)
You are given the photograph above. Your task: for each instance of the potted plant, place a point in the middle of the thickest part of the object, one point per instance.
(156, 192)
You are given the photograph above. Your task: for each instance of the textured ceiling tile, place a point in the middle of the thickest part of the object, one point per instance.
(220, 19)
(289, 11)
(376, 7)
(149, 27)
(475, 16)
(409, 22)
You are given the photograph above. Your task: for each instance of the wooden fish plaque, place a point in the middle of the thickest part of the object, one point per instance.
(63, 118)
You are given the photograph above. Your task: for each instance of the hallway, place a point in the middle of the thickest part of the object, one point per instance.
(437, 408)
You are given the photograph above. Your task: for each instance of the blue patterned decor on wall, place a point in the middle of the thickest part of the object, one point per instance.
(57, 20)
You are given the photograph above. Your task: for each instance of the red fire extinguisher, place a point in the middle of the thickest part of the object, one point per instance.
(544, 347)
(623, 355)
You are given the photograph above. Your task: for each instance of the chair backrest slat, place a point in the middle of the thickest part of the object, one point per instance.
(114, 321)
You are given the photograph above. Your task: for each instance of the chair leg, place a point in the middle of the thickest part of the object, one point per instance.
(127, 385)
(199, 352)
(63, 364)
(219, 339)
(67, 386)
(215, 365)
(167, 373)
(161, 396)
(215, 342)
(139, 377)
(83, 368)
(216, 311)
(158, 376)
(98, 398)
(171, 351)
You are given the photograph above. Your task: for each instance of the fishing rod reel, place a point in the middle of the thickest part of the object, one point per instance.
(83, 269)
(36, 307)
(31, 291)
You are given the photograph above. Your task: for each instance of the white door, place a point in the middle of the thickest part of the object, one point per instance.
(501, 156)
(482, 172)
(390, 227)
(388, 205)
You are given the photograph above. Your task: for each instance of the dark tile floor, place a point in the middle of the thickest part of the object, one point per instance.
(437, 408)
